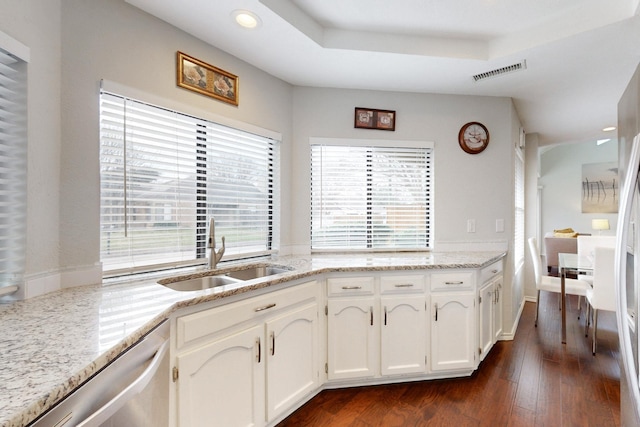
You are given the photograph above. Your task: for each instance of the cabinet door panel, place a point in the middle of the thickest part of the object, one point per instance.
(452, 331)
(222, 383)
(403, 335)
(497, 309)
(486, 308)
(292, 369)
(352, 342)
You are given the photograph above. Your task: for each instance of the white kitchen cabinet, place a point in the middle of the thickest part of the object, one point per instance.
(486, 307)
(245, 363)
(453, 331)
(352, 338)
(497, 312)
(223, 383)
(489, 308)
(403, 334)
(373, 333)
(292, 368)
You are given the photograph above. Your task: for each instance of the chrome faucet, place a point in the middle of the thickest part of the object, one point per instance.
(214, 257)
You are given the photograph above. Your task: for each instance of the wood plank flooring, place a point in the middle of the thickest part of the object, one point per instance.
(533, 380)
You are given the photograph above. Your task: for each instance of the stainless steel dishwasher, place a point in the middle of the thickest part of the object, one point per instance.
(132, 391)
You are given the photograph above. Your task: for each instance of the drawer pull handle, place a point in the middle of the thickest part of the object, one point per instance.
(459, 282)
(371, 316)
(385, 315)
(266, 307)
(494, 271)
(350, 288)
(436, 310)
(404, 285)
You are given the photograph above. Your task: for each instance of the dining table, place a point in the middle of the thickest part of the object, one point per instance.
(570, 264)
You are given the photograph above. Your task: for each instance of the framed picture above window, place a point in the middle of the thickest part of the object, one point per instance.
(369, 118)
(206, 79)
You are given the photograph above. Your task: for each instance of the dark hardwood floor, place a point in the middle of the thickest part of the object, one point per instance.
(533, 380)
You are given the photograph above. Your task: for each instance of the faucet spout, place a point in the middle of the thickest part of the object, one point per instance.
(214, 256)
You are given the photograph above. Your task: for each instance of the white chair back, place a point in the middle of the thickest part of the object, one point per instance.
(587, 244)
(604, 297)
(535, 258)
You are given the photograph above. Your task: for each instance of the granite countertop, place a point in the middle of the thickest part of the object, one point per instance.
(52, 343)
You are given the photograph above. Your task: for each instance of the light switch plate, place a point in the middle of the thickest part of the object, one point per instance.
(471, 226)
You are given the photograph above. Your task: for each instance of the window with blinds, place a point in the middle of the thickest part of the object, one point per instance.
(519, 235)
(164, 174)
(366, 197)
(13, 167)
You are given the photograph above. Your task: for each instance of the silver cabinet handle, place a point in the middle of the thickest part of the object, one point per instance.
(371, 315)
(494, 271)
(385, 315)
(351, 288)
(404, 285)
(273, 343)
(459, 282)
(259, 347)
(436, 309)
(266, 307)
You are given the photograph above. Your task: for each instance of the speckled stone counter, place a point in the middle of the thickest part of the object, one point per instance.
(51, 344)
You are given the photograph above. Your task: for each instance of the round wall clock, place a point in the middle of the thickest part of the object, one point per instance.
(473, 137)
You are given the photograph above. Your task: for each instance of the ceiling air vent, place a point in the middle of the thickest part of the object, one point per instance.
(500, 71)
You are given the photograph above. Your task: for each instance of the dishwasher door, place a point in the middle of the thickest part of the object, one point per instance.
(132, 391)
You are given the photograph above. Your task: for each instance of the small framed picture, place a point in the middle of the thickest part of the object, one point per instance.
(206, 79)
(370, 118)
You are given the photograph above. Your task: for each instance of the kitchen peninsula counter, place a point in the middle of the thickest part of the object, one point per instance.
(52, 343)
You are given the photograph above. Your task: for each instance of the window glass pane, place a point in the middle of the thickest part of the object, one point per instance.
(370, 197)
(164, 174)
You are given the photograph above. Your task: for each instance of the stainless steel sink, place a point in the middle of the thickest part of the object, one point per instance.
(255, 272)
(200, 283)
(223, 278)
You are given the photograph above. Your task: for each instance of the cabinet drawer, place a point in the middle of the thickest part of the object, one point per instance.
(350, 286)
(405, 283)
(490, 271)
(452, 281)
(194, 326)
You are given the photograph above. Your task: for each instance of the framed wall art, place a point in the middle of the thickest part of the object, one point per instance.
(206, 79)
(369, 118)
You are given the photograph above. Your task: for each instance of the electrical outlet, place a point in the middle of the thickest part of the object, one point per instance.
(471, 226)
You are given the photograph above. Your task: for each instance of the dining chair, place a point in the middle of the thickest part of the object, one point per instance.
(602, 295)
(586, 247)
(552, 283)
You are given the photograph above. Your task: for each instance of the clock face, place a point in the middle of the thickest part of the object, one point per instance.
(473, 137)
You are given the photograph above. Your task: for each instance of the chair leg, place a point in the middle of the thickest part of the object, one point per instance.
(595, 329)
(586, 320)
(537, 309)
(579, 305)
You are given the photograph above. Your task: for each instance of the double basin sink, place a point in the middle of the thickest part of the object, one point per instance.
(224, 278)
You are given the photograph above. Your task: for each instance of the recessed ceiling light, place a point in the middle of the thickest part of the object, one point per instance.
(246, 19)
(609, 128)
(602, 141)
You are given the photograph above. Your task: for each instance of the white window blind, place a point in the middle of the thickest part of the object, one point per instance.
(13, 166)
(519, 235)
(164, 174)
(370, 197)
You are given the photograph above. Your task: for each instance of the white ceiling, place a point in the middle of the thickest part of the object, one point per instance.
(580, 54)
